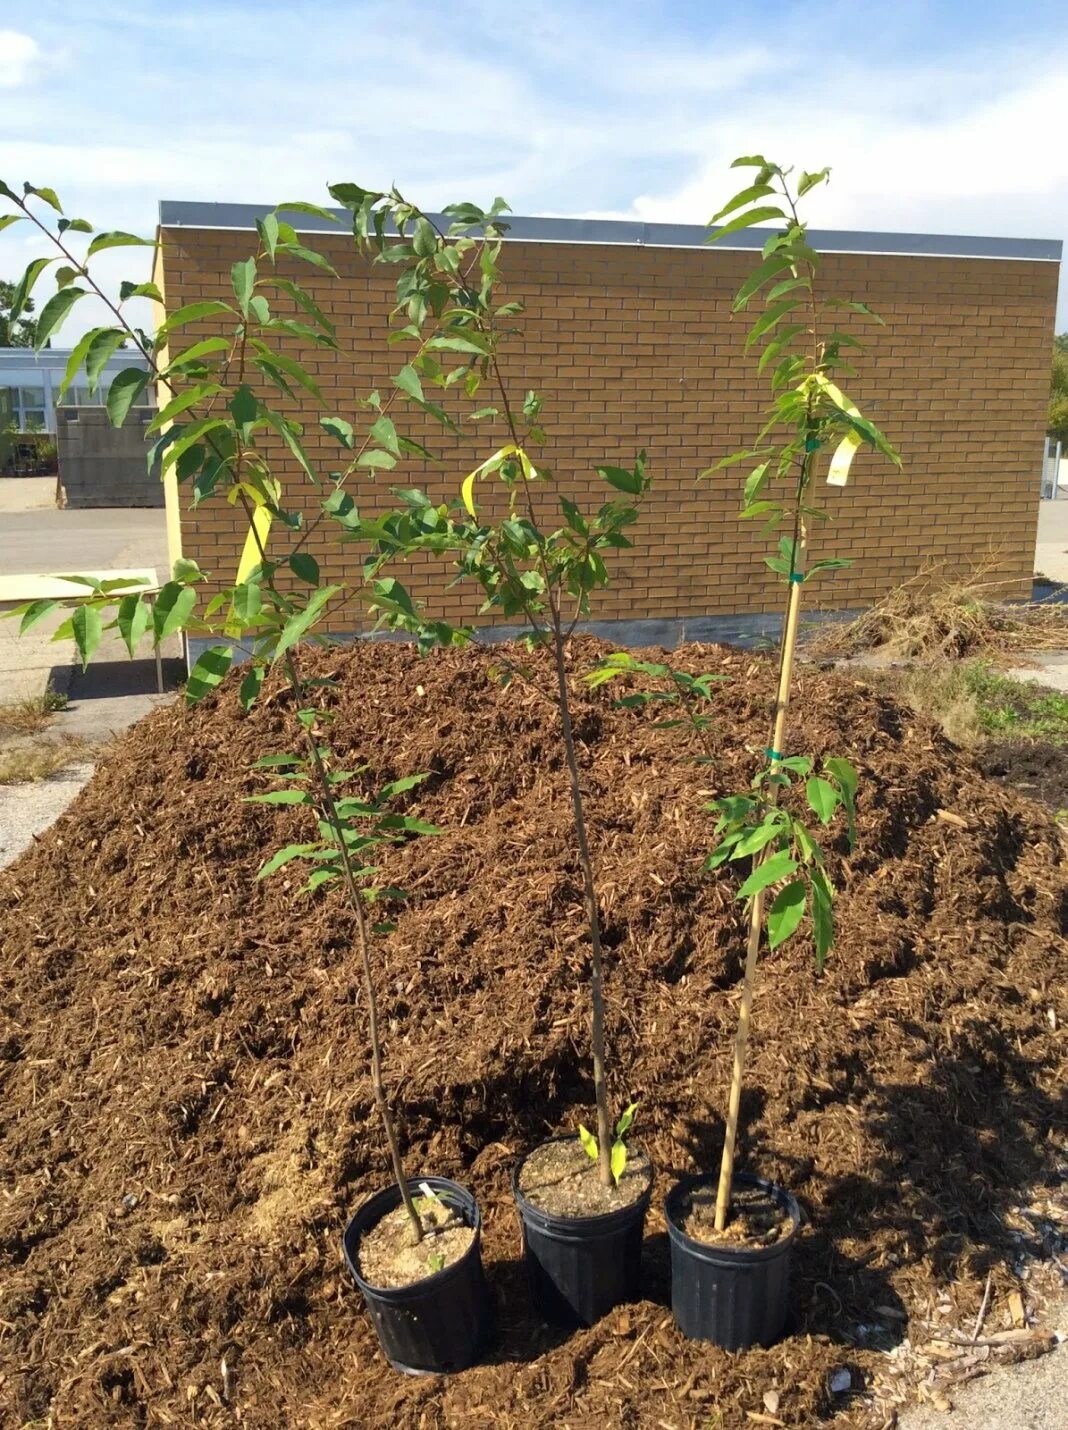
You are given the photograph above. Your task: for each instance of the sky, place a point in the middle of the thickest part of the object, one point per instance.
(945, 117)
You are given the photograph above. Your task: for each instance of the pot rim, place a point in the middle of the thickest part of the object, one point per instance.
(745, 1255)
(383, 1202)
(599, 1224)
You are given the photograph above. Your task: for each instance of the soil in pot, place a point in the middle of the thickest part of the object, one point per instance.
(560, 1179)
(389, 1256)
(755, 1218)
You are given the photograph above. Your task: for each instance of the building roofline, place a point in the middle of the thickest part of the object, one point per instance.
(184, 214)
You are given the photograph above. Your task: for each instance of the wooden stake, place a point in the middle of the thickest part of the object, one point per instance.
(756, 910)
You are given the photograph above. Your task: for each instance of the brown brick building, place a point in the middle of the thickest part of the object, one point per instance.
(628, 335)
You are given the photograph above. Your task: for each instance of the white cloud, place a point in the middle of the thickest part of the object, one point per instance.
(576, 110)
(19, 58)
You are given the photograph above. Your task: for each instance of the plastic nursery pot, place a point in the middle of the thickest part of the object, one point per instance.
(438, 1324)
(734, 1296)
(578, 1268)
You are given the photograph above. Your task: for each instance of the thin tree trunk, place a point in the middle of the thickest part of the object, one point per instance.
(600, 1090)
(356, 900)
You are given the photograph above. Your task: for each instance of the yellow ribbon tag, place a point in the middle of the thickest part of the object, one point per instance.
(842, 460)
(467, 491)
(257, 537)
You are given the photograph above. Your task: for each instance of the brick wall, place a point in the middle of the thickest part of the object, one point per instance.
(636, 347)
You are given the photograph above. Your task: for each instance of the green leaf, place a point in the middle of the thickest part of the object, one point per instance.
(243, 405)
(408, 381)
(304, 567)
(747, 219)
(267, 228)
(280, 796)
(33, 612)
(457, 345)
(132, 619)
(786, 912)
(759, 276)
(187, 571)
(300, 206)
(251, 685)
(286, 856)
(139, 290)
(619, 1160)
(194, 354)
(339, 428)
(386, 461)
(401, 786)
(823, 798)
(75, 361)
(385, 434)
(49, 196)
(746, 196)
(193, 313)
(589, 1142)
(756, 839)
(768, 319)
(297, 625)
(822, 916)
(86, 628)
(118, 239)
(6, 220)
(124, 391)
(625, 1123)
(751, 161)
(243, 277)
(622, 480)
(809, 181)
(182, 403)
(25, 287)
(105, 342)
(53, 313)
(208, 672)
(308, 255)
(770, 871)
(171, 609)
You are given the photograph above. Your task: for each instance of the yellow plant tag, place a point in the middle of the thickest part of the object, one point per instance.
(257, 537)
(842, 460)
(467, 490)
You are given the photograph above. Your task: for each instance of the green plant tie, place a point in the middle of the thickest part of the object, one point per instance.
(812, 444)
(797, 577)
(773, 754)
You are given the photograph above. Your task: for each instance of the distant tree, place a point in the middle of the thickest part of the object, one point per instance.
(1057, 425)
(22, 333)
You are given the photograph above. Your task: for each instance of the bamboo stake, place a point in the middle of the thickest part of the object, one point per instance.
(756, 907)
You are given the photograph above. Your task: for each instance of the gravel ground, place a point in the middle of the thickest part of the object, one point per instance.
(1029, 1396)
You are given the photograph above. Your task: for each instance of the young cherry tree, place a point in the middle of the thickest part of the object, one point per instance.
(802, 349)
(542, 557)
(229, 410)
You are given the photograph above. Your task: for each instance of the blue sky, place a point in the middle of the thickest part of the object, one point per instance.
(945, 117)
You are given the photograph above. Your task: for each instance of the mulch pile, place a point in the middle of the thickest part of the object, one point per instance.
(186, 1119)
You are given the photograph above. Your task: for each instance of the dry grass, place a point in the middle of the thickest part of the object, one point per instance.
(27, 717)
(26, 762)
(937, 618)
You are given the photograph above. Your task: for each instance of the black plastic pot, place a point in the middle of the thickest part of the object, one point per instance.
(734, 1296)
(578, 1268)
(438, 1324)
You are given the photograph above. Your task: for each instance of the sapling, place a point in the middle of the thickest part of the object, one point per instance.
(537, 574)
(803, 350)
(220, 429)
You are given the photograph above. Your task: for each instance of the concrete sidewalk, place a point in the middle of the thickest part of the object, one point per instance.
(38, 539)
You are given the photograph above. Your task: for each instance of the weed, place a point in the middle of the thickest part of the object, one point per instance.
(26, 763)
